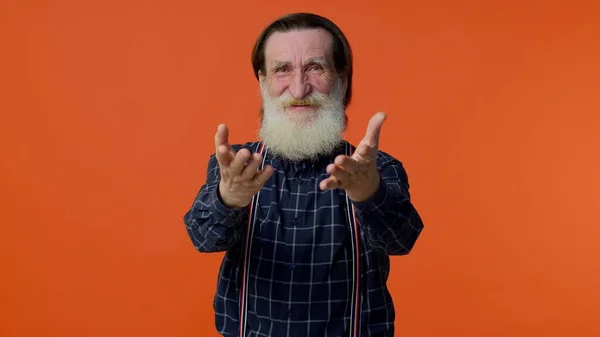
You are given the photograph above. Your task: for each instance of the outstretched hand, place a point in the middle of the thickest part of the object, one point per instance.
(240, 177)
(358, 174)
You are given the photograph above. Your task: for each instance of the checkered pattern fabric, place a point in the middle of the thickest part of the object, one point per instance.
(298, 276)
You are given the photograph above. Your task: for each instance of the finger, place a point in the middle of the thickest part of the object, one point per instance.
(329, 183)
(222, 135)
(374, 129)
(239, 162)
(224, 156)
(341, 175)
(223, 151)
(263, 175)
(365, 154)
(252, 166)
(348, 163)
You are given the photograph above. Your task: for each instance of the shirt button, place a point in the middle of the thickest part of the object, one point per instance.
(291, 265)
(295, 222)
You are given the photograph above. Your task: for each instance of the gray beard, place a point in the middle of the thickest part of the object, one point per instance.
(295, 137)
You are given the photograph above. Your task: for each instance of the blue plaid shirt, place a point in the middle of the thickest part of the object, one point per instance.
(298, 277)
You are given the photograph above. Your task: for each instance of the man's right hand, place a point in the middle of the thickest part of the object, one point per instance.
(240, 177)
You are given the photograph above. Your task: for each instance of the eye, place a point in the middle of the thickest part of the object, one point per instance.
(281, 69)
(315, 67)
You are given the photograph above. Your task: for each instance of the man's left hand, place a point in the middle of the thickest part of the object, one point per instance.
(358, 174)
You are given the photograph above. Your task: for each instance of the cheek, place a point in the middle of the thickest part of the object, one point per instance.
(321, 84)
(277, 87)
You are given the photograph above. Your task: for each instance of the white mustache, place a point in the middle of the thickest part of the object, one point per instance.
(314, 100)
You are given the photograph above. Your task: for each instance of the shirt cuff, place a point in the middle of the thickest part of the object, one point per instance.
(224, 214)
(376, 202)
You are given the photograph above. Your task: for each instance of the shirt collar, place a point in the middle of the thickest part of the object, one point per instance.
(309, 165)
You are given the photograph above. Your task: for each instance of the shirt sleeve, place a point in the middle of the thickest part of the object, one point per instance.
(389, 219)
(211, 225)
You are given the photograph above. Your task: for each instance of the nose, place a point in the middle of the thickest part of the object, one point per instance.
(299, 86)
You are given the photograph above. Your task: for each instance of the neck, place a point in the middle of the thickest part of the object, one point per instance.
(314, 159)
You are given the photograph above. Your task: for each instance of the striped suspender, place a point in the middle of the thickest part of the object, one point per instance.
(354, 232)
(247, 250)
(355, 235)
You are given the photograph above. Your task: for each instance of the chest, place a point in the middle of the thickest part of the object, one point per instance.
(294, 214)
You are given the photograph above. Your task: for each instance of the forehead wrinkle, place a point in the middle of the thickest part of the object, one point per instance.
(282, 48)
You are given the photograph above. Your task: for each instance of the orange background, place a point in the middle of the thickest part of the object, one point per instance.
(108, 111)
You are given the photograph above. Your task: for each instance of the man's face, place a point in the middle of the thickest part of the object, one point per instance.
(303, 112)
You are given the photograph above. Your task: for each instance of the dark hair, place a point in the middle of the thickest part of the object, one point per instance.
(342, 53)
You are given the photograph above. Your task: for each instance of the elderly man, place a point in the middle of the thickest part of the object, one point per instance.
(307, 220)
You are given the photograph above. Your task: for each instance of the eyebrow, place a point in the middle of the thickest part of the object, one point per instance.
(318, 60)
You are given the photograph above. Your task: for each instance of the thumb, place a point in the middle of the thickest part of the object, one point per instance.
(221, 138)
(374, 129)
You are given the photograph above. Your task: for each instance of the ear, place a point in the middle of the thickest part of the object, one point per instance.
(344, 78)
(261, 77)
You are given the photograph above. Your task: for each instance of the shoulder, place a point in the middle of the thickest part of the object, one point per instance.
(391, 168)
(385, 158)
